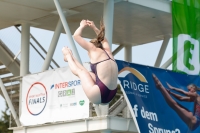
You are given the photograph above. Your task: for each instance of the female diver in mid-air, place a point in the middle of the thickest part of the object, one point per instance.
(192, 119)
(100, 85)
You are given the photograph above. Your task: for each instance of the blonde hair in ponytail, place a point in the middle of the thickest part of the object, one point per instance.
(196, 87)
(100, 37)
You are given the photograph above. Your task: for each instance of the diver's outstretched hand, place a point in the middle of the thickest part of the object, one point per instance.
(170, 87)
(157, 82)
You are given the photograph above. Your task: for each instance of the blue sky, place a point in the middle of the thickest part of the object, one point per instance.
(145, 54)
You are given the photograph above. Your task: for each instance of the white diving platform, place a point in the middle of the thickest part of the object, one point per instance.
(91, 125)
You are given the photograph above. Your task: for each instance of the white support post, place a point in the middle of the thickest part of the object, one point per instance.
(25, 40)
(52, 47)
(128, 53)
(97, 109)
(67, 30)
(162, 50)
(108, 21)
(128, 58)
(117, 50)
(11, 107)
(24, 62)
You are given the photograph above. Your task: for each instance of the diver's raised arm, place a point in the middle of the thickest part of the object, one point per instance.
(79, 39)
(100, 35)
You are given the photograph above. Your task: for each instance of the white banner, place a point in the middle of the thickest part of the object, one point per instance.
(51, 96)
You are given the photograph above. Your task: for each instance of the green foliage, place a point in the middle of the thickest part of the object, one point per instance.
(4, 121)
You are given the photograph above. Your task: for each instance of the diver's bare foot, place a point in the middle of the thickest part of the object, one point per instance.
(66, 53)
(70, 51)
(65, 58)
(157, 82)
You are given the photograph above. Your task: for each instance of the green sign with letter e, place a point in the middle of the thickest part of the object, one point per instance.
(186, 36)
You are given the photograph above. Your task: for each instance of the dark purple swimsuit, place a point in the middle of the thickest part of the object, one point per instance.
(197, 115)
(106, 94)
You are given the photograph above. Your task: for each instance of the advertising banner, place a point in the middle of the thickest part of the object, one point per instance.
(186, 36)
(162, 101)
(51, 96)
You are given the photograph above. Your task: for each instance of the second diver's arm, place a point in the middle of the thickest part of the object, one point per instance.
(179, 97)
(189, 94)
(177, 89)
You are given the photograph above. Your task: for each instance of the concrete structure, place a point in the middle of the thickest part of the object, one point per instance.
(128, 23)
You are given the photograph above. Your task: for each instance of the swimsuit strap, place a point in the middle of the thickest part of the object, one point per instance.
(108, 55)
(103, 60)
(99, 62)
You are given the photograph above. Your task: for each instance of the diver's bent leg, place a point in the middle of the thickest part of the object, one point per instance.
(81, 66)
(76, 61)
(78, 64)
(72, 65)
(90, 88)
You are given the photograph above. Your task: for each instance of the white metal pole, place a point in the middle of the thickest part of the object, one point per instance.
(108, 19)
(52, 47)
(162, 50)
(25, 40)
(119, 108)
(67, 30)
(11, 107)
(117, 50)
(167, 63)
(24, 61)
